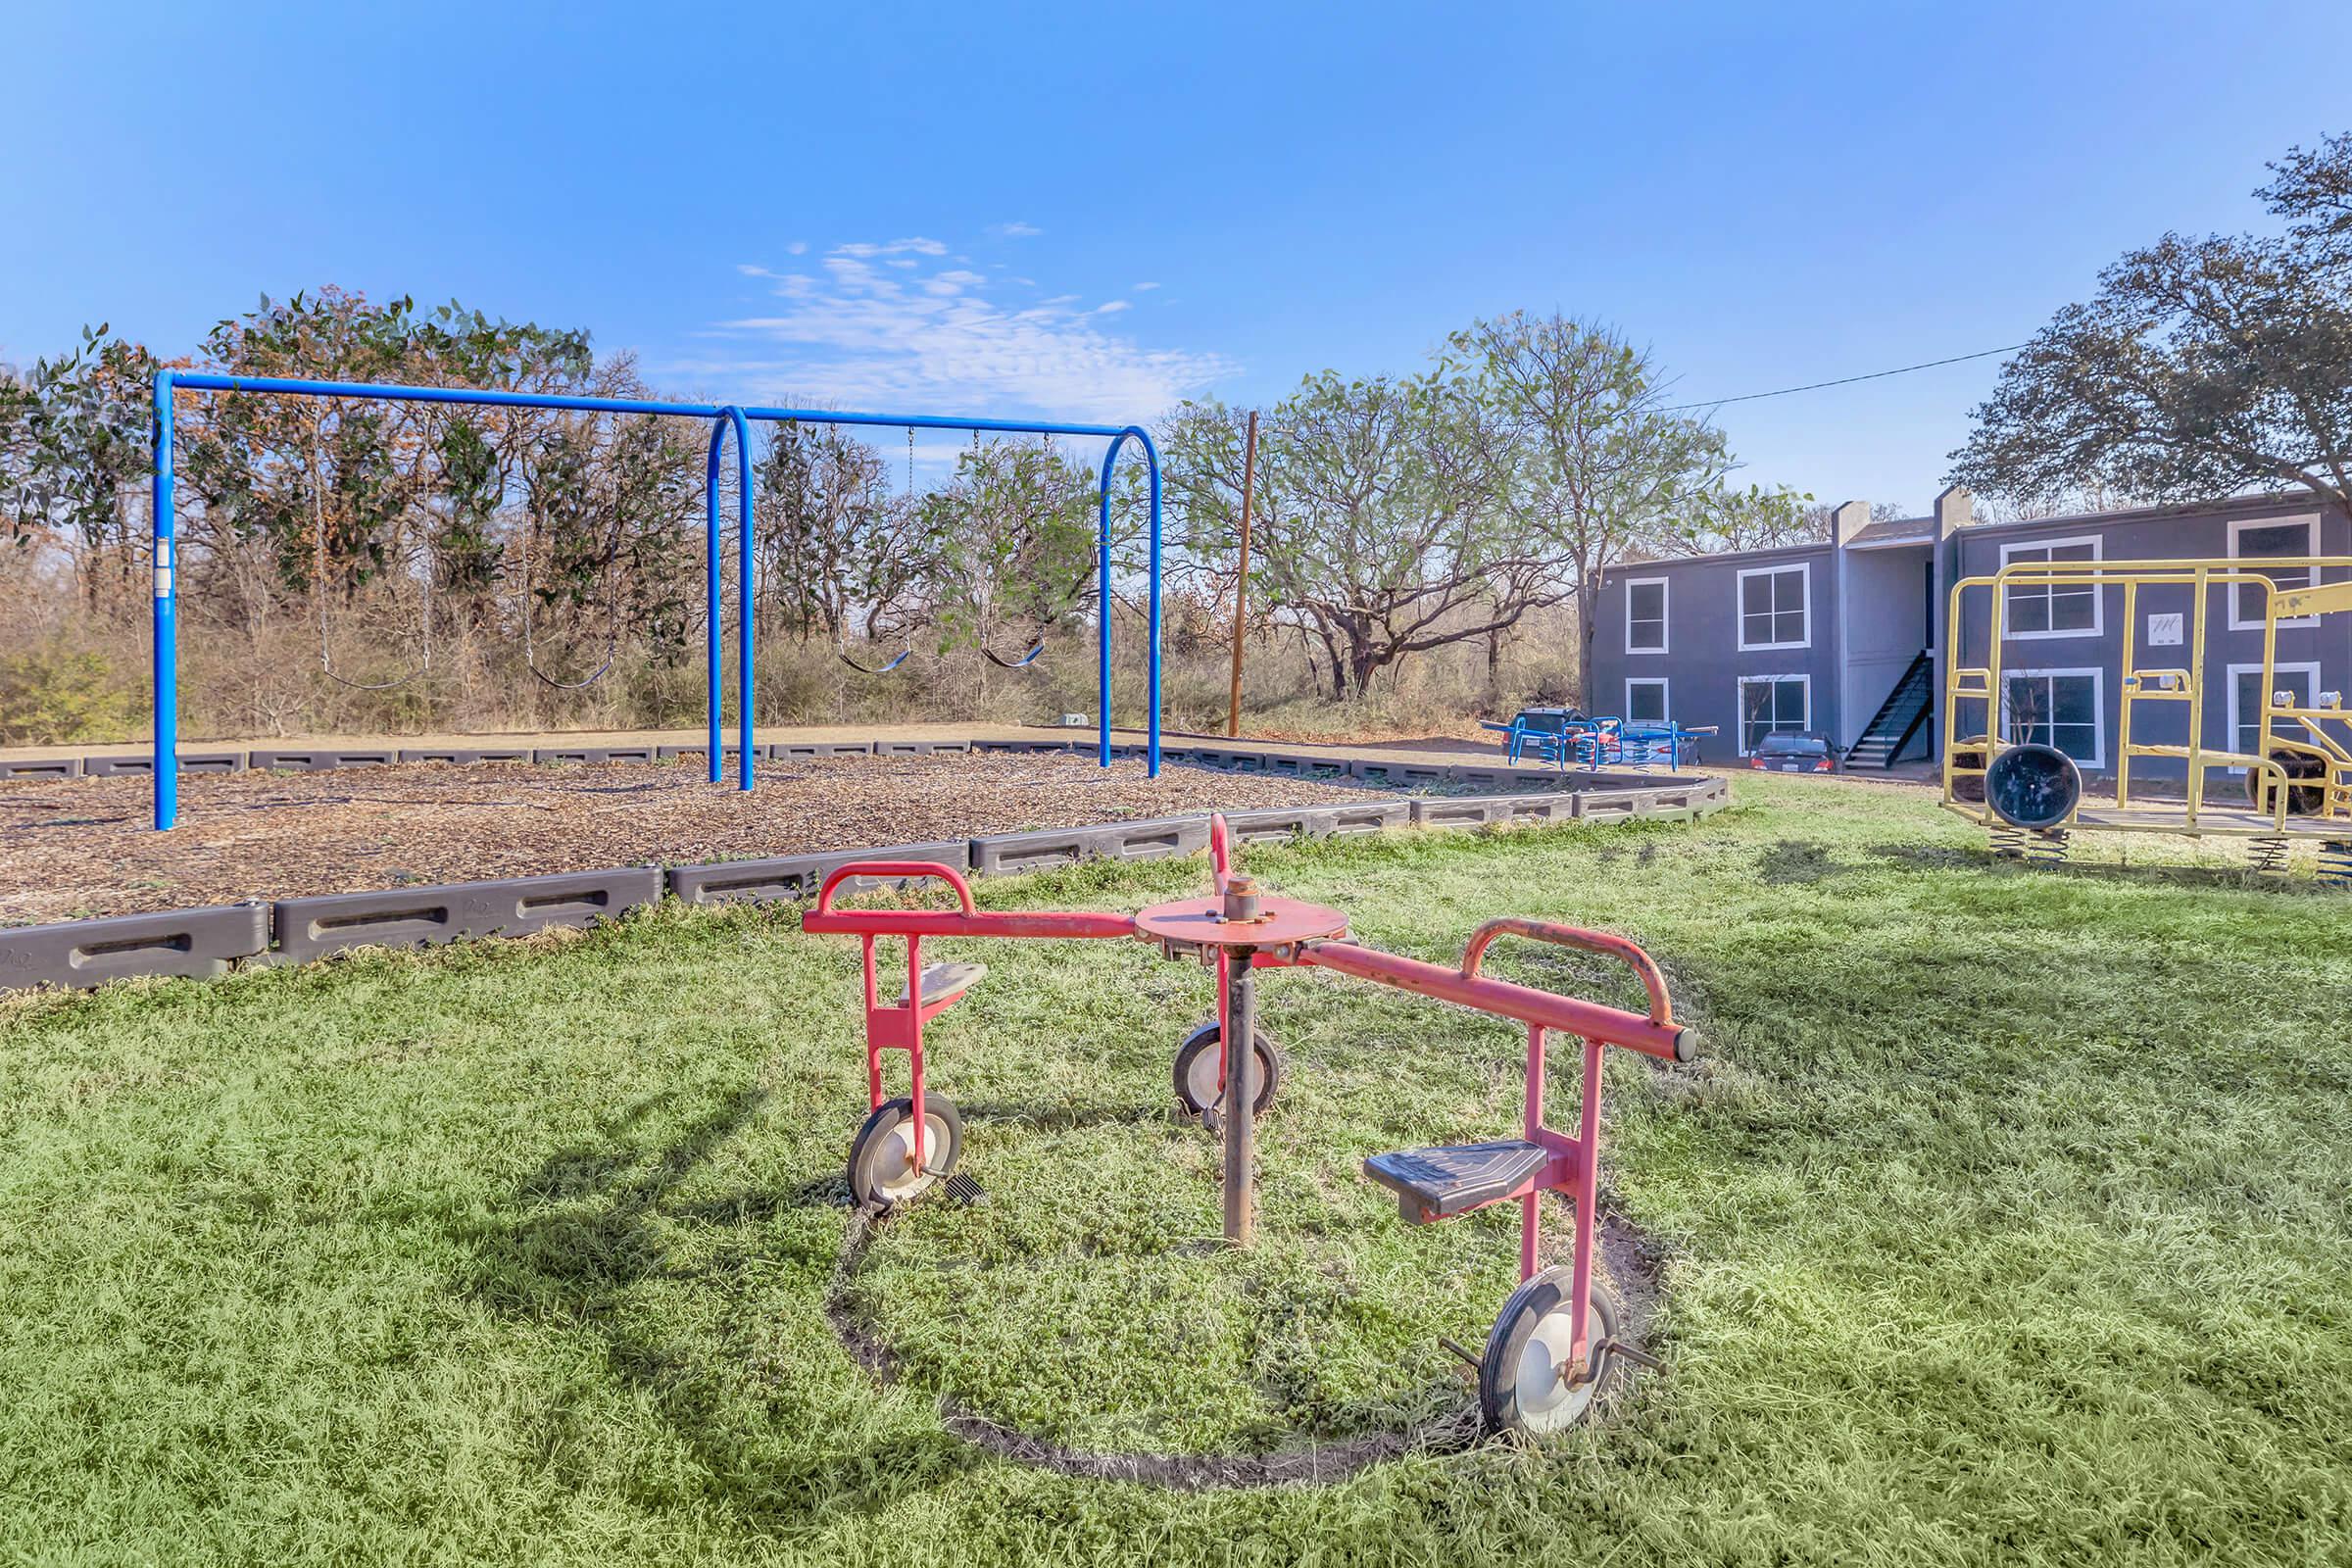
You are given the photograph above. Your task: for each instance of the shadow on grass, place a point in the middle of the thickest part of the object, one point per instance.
(580, 1239)
(1793, 862)
(2204, 878)
(1050, 1117)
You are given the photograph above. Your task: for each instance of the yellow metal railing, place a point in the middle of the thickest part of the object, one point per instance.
(2270, 784)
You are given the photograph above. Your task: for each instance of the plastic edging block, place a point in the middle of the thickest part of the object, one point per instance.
(815, 750)
(1603, 805)
(1012, 853)
(1544, 807)
(1280, 824)
(799, 876)
(316, 761)
(1305, 766)
(1402, 774)
(42, 767)
(1460, 811)
(1155, 838)
(312, 927)
(1378, 817)
(193, 944)
(142, 765)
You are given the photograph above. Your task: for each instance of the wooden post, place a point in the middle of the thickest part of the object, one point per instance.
(1240, 581)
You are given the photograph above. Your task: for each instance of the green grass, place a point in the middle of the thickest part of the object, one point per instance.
(2010, 1220)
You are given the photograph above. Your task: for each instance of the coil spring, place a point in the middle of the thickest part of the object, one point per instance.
(2048, 848)
(2335, 862)
(2267, 856)
(2008, 843)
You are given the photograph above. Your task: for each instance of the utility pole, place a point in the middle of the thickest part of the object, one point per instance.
(1240, 581)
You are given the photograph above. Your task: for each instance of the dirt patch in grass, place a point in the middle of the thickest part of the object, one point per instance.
(1628, 1268)
(77, 848)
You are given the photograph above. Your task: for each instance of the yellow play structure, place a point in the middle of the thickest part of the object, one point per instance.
(2297, 775)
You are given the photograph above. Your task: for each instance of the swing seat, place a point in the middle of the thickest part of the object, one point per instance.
(1451, 1179)
(945, 982)
(867, 669)
(1022, 662)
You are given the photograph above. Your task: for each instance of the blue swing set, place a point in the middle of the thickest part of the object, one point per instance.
(723, 420)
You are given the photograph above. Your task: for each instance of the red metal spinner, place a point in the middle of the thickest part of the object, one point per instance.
(1544, 1363)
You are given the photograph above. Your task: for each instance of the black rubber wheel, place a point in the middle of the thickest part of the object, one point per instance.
(1519, 1383)
(1199, 1059)
(882, 1173)
(2302, 799)
(2034, 787)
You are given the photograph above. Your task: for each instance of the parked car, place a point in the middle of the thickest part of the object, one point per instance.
(1788, 751)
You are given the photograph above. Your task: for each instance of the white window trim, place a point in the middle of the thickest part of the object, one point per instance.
(2308, 666)
(1740, 712)
(1665, 612)
(2311, 547)
(1665, 698)
(2099, 595)
(1804, 571)
(2096, 763)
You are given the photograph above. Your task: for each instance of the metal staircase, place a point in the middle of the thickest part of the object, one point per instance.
(1898, 720)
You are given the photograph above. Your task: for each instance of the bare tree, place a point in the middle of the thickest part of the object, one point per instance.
(1601, 468)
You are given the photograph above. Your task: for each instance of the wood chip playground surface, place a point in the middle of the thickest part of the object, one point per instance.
(84, 847)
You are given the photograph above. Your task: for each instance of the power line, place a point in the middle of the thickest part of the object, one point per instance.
(1843, 380)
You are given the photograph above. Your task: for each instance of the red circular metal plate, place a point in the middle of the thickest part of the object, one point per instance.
(1280, 923)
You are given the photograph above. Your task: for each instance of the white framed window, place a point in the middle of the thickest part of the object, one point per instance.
(2251, 539)
(1645, 701)
(2246, 700)
(1771, 703)
(1775, 607)
(2052, 609)
(1645, 614)
(2061, 708)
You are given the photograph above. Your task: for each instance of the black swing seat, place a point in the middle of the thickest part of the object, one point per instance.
(944, 982)
(1452, 1178)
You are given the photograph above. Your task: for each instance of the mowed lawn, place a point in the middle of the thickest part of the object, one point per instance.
(2009, 1220)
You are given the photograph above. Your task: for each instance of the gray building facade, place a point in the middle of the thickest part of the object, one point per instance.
(1846, 639)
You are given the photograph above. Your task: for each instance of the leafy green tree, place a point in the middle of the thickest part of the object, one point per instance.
(1600, 468)
(1011, 545)
(75, 453)
(1752, 517)
(2200, 369)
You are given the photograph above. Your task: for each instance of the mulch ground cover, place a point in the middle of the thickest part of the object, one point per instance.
(77, 848)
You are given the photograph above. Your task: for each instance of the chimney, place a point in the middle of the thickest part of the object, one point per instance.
(1956, 510)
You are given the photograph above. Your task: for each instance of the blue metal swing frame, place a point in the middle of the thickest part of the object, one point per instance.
(723, 418)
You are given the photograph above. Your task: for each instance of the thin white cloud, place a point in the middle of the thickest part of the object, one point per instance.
(857, 334)
(897, 247)
(1144, 288)
(798, 247)
(1015, 230)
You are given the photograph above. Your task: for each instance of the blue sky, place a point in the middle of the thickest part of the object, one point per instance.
(1093, 211)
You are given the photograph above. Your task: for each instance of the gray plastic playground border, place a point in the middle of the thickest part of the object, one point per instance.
(209, 942)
